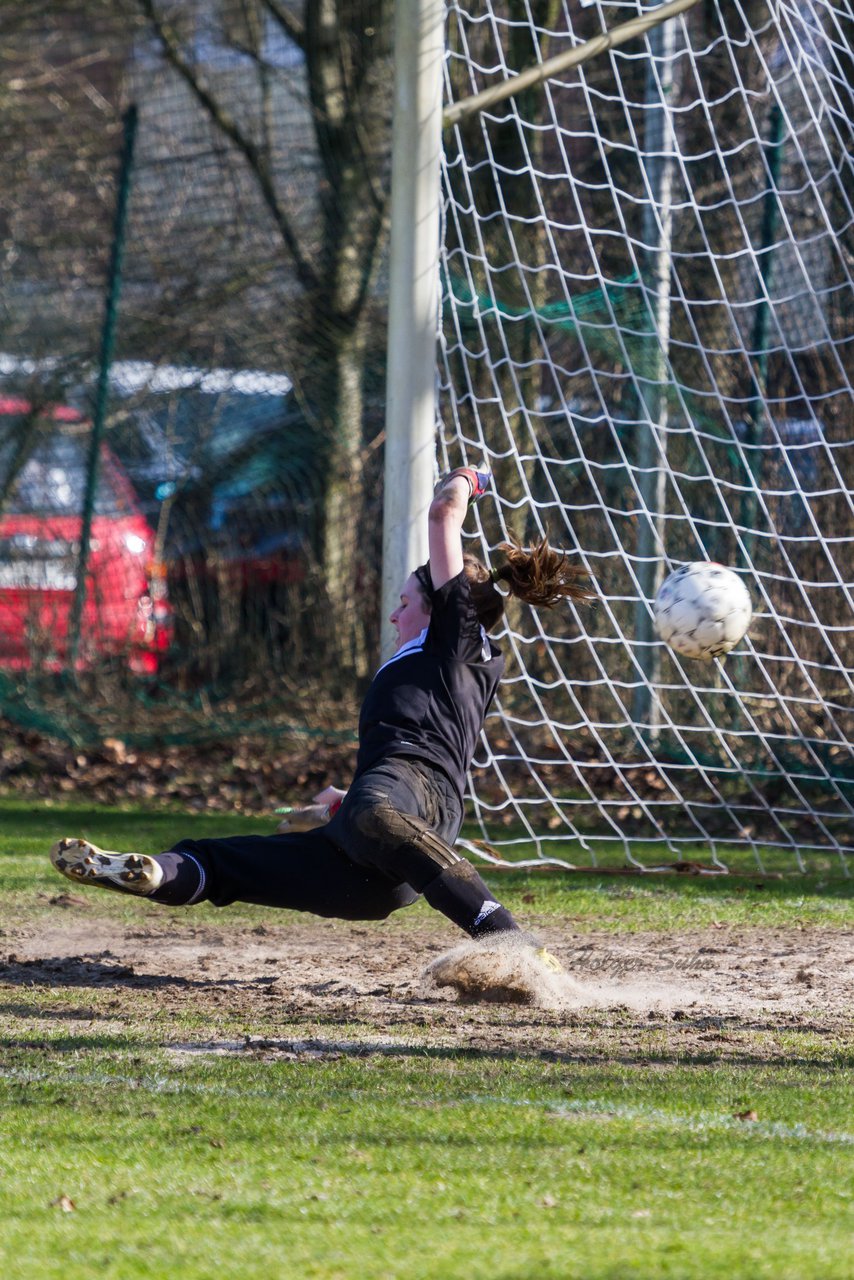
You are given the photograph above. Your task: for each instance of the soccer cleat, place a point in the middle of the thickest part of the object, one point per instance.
(85, 863)
(548, 961)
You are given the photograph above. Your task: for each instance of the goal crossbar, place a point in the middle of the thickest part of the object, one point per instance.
(563, 62)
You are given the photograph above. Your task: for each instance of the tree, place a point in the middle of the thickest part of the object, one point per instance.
(346, 46)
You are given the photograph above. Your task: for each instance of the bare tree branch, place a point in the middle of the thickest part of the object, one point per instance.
(227, 125)
(291, 25)
(55, 75)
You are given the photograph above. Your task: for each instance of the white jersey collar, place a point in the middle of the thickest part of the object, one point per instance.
(412, 646)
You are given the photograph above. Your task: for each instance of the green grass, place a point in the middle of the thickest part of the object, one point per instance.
(419, 1166)
(417, 1160)
(585, 901)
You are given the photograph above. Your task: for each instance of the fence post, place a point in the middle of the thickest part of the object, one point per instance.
(108, 332)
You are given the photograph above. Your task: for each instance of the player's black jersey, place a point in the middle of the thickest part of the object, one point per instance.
(429, 701)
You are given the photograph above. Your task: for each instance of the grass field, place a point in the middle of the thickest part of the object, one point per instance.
(249, 1093)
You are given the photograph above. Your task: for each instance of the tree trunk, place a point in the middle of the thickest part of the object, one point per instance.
(340, 409)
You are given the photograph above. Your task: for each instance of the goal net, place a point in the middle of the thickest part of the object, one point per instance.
(646, 332)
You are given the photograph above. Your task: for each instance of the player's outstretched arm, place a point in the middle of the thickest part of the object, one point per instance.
(447, 513)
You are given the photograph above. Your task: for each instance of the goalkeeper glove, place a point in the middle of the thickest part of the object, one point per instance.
(478, 482)
(307, 817)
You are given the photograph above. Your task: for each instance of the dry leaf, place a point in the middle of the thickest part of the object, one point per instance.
(65, 1203)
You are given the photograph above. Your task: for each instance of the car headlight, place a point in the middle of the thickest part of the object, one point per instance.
(134, 543)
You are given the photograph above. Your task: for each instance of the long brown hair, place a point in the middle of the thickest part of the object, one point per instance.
(541, 577)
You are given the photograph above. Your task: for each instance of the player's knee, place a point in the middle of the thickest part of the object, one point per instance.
(372, 837)
(399, 844)
(384, 830)
(374, 818)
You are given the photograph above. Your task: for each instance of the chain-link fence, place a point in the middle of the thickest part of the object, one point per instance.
(191, 360)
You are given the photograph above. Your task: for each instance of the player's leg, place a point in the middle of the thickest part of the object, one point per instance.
(303, 871)
(402, 819)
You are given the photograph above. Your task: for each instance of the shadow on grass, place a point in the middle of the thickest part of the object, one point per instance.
(323, 1050)
(74, 971)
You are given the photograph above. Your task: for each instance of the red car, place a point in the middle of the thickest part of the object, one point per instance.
(43, 460)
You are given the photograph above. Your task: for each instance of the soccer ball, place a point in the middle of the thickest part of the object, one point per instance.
(702, 610)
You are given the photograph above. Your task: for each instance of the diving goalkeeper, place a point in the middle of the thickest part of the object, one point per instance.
(392, 833)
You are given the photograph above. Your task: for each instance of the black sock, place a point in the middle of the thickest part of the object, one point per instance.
(461, 895)
(184, 880)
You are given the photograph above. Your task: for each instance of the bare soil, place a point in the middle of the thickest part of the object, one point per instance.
(317, 988)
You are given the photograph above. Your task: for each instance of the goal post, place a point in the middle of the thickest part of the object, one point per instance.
(646, 290)
(410, 448)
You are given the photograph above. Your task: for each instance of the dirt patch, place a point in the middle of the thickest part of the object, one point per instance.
(314, 987)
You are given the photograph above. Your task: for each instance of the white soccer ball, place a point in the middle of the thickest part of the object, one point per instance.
(702, 610)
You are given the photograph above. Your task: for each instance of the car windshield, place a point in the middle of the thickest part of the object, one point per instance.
(51, 480)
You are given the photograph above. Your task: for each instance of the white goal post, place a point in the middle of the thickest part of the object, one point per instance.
(643, 301)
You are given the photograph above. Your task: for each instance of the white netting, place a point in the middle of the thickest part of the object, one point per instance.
(647, 306)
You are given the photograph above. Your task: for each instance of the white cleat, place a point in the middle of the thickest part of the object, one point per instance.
(85, 863)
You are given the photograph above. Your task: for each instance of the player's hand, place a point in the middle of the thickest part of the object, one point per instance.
(331, 796)
(307, 817)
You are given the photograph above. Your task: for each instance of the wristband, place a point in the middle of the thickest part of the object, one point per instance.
(478, 481)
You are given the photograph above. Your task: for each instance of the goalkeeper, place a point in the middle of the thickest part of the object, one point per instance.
(391, 834)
